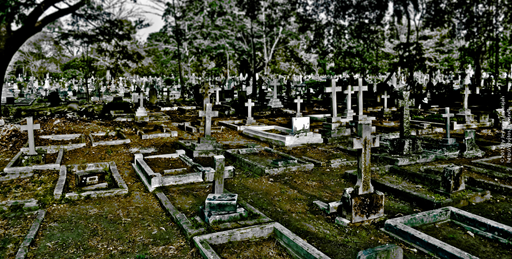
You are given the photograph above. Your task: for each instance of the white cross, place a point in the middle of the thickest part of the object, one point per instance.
(30, 127)
(217, 89)
(249, 104)
(275, 83)
(466, 95)
(364, 143)
(385, 97)
(333, 89)
(298, 101)
(447, 115)
(360, 90)
(208, 114)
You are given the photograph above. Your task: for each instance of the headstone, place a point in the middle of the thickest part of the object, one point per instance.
(274, 101)
(470, 146)
(30, 127)
(298, 101)
(217, 90)
(448, 115)
(218, 185)
(348, 113)
(250, 119)
(208, 114)
(452, 179)
(141, 111)
(364, 144)
(333, 90)
(360, 88)
(385, 96)
(300, 125)
(405, 119)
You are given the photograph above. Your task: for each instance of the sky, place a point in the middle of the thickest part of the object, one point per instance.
(155, 20)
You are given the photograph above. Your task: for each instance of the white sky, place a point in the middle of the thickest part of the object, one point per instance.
(155, 20)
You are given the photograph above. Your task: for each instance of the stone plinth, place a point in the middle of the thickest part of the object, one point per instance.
(452, 179)
(358, 208)
(225, 202)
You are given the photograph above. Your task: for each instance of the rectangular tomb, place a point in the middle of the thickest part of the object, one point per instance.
(108, 138)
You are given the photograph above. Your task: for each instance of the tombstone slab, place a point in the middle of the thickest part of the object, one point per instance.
(452, 179)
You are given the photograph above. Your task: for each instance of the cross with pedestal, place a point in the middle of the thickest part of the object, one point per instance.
(30, 127)
(447, 115)
(385, 96)
(208, 114)
(467, 92)
(249, 104)
(364, 144)
(348, 110)
(298, 101)
(275, 84)
(141, 100)
(333, 89)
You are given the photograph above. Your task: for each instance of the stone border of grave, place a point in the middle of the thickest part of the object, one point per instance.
(22, 251)
(254, 167)
(22, 169)
(404, 160)
(154, 180)
(232, 124)
(109, 142)
(402, 229)
(30, 204)
(191, 229)
(296, 246)
(166, 133)
(121, 190)
(258, 132)
(62, 137)
(493, 166)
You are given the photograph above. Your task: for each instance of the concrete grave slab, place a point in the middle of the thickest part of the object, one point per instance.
(11, 167)
(285, 139)
(123, 140)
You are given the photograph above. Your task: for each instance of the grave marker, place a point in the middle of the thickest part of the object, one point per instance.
(385, 96)
(364, 144)
(30, 127)
(360, 88)
(250, 119)
(334, 90)
(447, 115)
(217, 90)
(298, 101)
(348, 110)
(218, 185)
(274, 102)
(405, 120)
(208, 114)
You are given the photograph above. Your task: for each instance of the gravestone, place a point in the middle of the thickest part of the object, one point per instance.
(217, 98)
(274, 101)
(87, 178)
(298, 101)
(300, 125)
(386, 112)
(218, 185)
(405, 144)
(250, 119)
(471, 149)
(452, 179)
(141, 111)
(362, 203)
(30, 127)
(360, 89)
(153, 96)
(208, 114)
(448, 115)
(333, 90)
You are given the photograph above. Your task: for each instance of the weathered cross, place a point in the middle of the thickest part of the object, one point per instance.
(447, 115)
(141, 99)
(218, 184)
(467, 92)
(334, 90)
(30, 127)
(208, 114)
(405, 120)
(217, 100)
(249, 104)
(385, 97)
(298, 101)
(275, 84)
(348, 110)
(360, 88)
(364, 144)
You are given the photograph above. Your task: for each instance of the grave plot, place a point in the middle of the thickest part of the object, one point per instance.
(29, 191)
(263, 161)
(272, 236)
(322, 156)
(171, 169)
(49, 159)
(18, 229)
(154, 147)
(108, 138)
(187, 202)
(155, 131)
(62, 141)
(288, 198)
(453, 233)
(281, 136)
(121, 227)
(426, 190)
(90, 180)
(497, 163)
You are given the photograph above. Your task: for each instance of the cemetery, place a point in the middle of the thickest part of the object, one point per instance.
(263, 129)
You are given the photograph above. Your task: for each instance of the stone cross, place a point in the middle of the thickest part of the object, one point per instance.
(469, 74)
(405, 120)
(141, 99)
(467, 92)
(348, 110)
(360, 90)
(249, 104)
(30, 127)
(217, 89)
(447, 115)
(208, 114)
(385, 97)
(298, 101)
(333, 89)
(218, 184)
(364, 144)
(275, 83)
